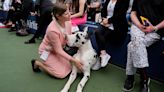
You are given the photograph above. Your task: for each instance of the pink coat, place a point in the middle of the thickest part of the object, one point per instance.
(58, 61)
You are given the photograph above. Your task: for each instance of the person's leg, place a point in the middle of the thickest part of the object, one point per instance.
(101, 38)
(137, 51)
(8, 18)
(14, 18)
(101, 42)
(145, 80)
(43, 67)
(130, 70)
(135, 55)
(149, 39)
(44, 21)
(37, 66)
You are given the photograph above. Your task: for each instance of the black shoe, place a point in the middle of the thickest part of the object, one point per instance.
(145, 86)
(12, 29)
(129, 85)
(30, 42)
(33, 68)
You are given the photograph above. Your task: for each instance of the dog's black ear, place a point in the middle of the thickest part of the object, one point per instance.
(88, 35)
(86, 29)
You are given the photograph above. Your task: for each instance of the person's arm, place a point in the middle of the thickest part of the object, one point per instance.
(159, 26)
(68, 4)
(56, 45)
(119, 11)
(135, 20)
(156, 27)
(104, 9)
(134, 17)
(57, 48)
(81, 9)
(6, 5)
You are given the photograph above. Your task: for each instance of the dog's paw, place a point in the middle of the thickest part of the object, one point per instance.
(63, 90)
(78, 90)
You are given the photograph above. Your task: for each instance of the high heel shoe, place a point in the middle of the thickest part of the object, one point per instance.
(30, 42)
(33, 66)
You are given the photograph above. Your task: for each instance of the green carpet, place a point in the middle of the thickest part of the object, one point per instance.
(16, 74)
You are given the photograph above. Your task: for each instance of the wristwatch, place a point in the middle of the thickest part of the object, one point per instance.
(155, 29)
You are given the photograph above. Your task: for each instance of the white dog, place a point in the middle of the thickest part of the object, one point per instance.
(86, 54)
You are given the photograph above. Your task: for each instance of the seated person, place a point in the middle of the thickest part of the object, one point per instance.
(78, 11)
(114, 27)
(94, 7)
(15, 15)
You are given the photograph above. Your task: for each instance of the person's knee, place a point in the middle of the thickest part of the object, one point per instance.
(60, 76)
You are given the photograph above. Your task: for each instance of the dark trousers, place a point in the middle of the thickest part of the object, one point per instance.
(3, 15)
(104, 36)
(9, 16)
(44, 21)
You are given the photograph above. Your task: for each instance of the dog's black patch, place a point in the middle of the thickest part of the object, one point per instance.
(77, 36)
(88, 76)
(76, 41)
(72, 73)
(81, 85)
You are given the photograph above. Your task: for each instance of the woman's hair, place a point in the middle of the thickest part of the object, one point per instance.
(75, 5)
(59, 9)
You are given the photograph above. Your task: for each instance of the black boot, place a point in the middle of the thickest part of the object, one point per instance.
(31, 41)
(129, 83)
(144, 84)
(12, 29)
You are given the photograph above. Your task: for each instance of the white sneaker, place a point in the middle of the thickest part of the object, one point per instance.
(1, 24)
(104, 59)
(97, 65)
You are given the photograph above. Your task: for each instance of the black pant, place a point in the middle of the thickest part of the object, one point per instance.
(44, 21)
(105, 35)
(9, 16)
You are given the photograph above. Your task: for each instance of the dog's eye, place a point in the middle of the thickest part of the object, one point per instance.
(76, 41)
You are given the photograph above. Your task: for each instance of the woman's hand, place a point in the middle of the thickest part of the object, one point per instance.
(141, 27)
(150, 28)
(32, 13)
(49, 48)
(146, 29)
(78, 65)
(105, 22)
(12, 8)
